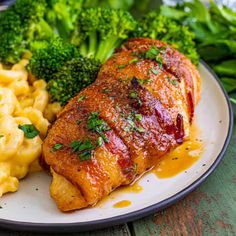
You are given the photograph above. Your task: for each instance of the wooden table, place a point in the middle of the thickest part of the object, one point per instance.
(209, 210)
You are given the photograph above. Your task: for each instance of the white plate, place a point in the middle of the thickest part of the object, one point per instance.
(32, 208)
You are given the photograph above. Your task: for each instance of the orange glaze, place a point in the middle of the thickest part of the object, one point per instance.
(182, 157)
(121, 204)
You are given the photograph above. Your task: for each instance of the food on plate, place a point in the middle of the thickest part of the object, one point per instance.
(25, 113)
(139, 108)
(65, 70)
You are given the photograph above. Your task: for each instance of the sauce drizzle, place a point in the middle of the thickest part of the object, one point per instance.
(182, 157)
(122, 204)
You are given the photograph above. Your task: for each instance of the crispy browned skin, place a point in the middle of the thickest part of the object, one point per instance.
(165, 97)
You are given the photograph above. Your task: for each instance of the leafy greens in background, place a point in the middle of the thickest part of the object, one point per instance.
(215, 30)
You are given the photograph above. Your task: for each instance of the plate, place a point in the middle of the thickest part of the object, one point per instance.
(32, 209)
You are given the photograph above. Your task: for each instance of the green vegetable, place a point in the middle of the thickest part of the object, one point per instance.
(49, 60)
(172, 81)
(75, 75)
(56, 147)
(23, 28)
(101, 30)
(63, 15)
(1, 135)
(84, 148)
(160, 27)
(30, 131)
(215, 30)
(98, 125)
(81, 98)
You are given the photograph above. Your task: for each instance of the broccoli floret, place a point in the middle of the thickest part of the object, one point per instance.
(63, 14)
(159, 27)
(100, 31)
(11, 39)
(21, 25)
(48, 60)
(75, 75)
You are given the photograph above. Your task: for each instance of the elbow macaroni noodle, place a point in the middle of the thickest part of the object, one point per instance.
(23, 100)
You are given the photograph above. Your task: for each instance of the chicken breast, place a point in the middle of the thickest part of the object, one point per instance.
(139, 108)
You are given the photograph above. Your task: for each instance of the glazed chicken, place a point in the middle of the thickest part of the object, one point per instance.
(139, 108)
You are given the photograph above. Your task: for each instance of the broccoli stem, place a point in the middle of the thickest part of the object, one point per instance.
(106, 48)
(83, 49)
(92, 44)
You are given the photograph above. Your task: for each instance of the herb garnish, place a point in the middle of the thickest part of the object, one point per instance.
(106, 90)
(138, 117)
(154, 71)
(133, 94)
(78, 122)
(1, 135)
(100, 141)
(56, 147)
(121, 66)
(172, 81)
(30, 131)
(97, 125)
(81, 98)
(85, 148)
(133, 60)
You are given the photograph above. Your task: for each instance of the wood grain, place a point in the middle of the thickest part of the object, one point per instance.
(121, 230)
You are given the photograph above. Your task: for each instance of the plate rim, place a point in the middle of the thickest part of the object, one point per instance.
(124, 218)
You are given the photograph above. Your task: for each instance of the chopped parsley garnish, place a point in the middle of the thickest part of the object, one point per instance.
(56, 147)
(78, 122)
(85, 148)
(106, 90)
(100, 141)
(121, 66)
(140, 129)
(75, 145)
(81, 98)
(126, 129)
(133, 60)
(160, 62)
(138, 117)
(86, 145)
(1, 135)
(154, 71)
(85, 156)
(172, 81)
(97, 125)
(30, 131)
(152, 52)
(133, 94)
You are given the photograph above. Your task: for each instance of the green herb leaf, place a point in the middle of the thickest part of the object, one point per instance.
(1, 135)
(100, 141)
(29, 130)
(75, 145)
(86, 145)
(233, 100)
(160, 62)
(78, 122)
(106, 90)
(98, 125)
(133, 60)
(81, 98)
(154, 71)
(140, 129)
(172, 81)
(138, 117)
(133, 94)
(85, 156)
(121, 66)
(56, 147)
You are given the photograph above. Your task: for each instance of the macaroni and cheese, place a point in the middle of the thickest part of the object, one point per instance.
(23, 101)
